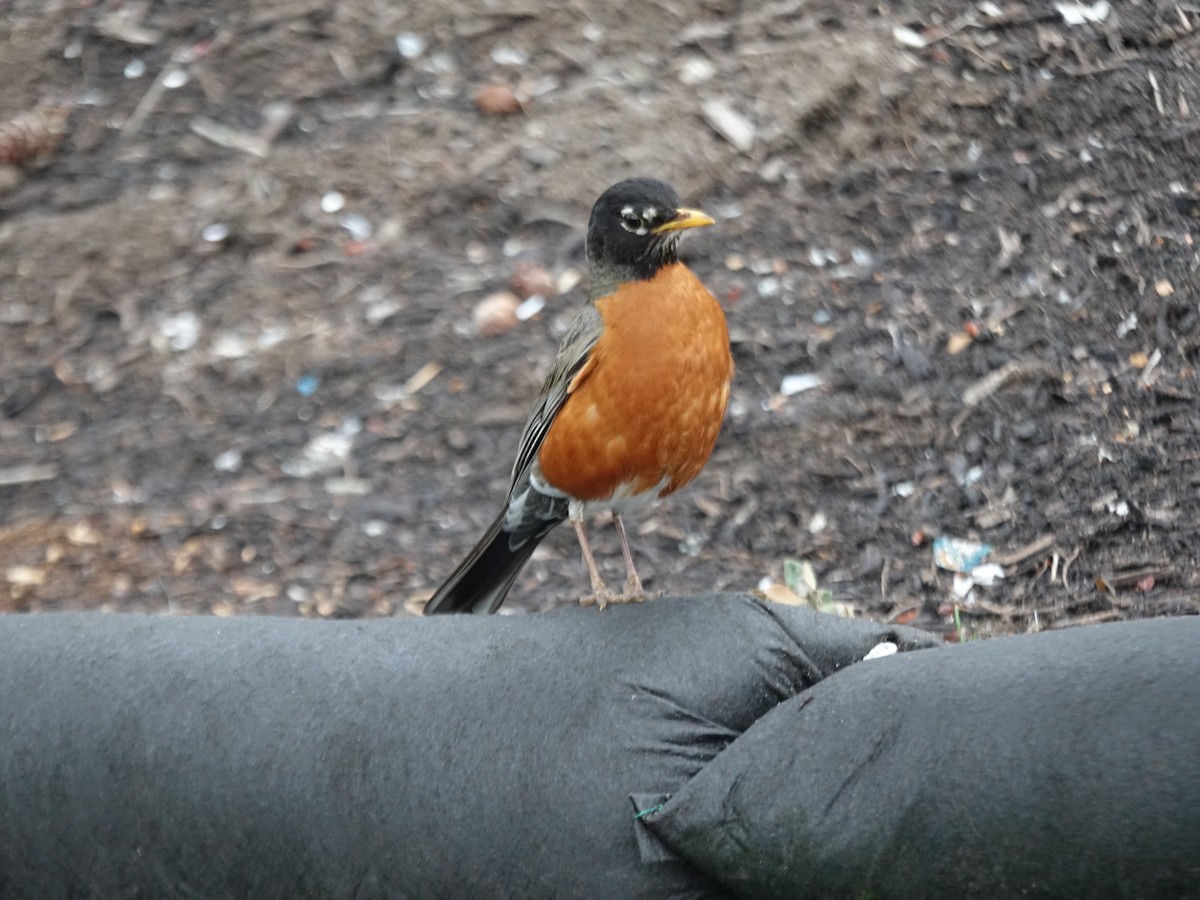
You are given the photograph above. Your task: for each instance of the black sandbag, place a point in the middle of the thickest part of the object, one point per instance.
(1063, 764)
(418, 758)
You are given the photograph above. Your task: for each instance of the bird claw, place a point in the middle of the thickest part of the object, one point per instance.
(602, 597)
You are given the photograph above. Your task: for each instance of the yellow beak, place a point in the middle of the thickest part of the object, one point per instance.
(685, 218)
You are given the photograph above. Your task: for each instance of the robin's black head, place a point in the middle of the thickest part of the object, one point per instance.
(634, 229)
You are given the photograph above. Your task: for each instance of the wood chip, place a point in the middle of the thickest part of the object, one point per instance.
(125, 24)
(24, 576)
(422, 377)
(730, 124)
(958, 342)
(26, 474)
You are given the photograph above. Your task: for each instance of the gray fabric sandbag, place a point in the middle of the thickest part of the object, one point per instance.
(1063, 764)
(418, 758)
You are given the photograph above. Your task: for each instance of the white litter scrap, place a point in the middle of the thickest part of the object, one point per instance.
(1082, 13)
(530, 307)
(906, 37)
(180, 331)
(1129, 324)
(980, 576)
(882, 649)
(798, 384)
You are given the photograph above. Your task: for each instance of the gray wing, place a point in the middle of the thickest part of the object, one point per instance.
(572, 355)
(533, 508)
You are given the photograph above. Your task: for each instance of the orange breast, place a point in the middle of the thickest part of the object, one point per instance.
(650, 407)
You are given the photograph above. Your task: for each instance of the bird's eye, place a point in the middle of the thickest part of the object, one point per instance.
(633, 223)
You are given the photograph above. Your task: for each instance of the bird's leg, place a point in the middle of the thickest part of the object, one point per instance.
(634, 592)
(633, 584)
(601, 594)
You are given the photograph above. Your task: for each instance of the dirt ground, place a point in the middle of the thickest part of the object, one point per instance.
(243, 251)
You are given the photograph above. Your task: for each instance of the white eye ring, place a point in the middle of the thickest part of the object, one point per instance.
(633, 223)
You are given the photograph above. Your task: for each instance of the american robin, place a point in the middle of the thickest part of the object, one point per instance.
(631, 408)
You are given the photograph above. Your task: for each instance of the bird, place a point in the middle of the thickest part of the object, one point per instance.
(631, 407)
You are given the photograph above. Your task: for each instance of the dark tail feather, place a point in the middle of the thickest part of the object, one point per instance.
(481, 582)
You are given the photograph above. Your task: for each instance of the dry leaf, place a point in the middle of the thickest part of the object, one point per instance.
(781, 593)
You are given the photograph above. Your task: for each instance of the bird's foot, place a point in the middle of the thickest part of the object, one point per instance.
(632, 593)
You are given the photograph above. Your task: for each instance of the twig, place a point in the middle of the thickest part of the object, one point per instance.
(256, 144)
(1033, 548)
(1067, 565)
(149, 100)
(1016, 369)
(1013, 370)
(180, 59)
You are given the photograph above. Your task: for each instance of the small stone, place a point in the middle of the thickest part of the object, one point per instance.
(769, 287)
(509, 56)
(215, 233)
(181, 331)
(409, 45)
(228, 461)
(496, 313)
(696, 70)
(332, 202)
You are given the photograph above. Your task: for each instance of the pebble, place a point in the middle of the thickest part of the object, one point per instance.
(228, 461)
(696, 70)
(332, 202)
(496, 313)
(215, 233)
(181, 331)
(409, 45)
(509, 56)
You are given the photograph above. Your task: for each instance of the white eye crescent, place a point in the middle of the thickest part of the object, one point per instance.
(632, 222)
